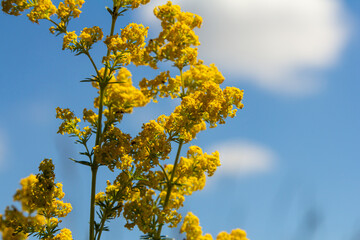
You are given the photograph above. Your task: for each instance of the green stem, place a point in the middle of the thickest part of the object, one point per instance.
(169, 187)
(92, 62)
(102, 224)
(95, 165)
(113, 21)
(94, 169)
(105, 216)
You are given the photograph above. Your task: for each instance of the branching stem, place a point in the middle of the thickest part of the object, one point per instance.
(95, 165)
(170, 185)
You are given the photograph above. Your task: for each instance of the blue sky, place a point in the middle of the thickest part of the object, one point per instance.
(290, 157)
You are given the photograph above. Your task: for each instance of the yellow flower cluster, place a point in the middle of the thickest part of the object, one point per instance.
(41, 195)
(192, 228)
(180, 126)
(194, 232)
(150, 145)
(130, 3)
(163, 85)
(189, 176)
(148, 191)
(128, 47)
(175, 41)
(195, 166)
(69, 9)
(176, 200)
(90, 116)
(116, 194)
(87, 38)
(65, 234)
(70, 122)
(43, 9)
(115, 150)
(120, 96)
(69, 41)
(208, 104)
(199, 74)
(212, 104)
(14, 7)
(191, 81)
(236, 234)
(15, 226)
(140, 211)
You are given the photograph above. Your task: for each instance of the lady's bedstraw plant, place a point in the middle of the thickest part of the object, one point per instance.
(149, 188)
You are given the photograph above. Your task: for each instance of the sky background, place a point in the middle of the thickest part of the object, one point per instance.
(291, 157)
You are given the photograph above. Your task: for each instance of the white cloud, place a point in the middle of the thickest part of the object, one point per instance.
(276, 44)
(239, 157)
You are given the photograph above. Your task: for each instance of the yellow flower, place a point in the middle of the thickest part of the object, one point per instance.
(14, 7)
(129, 46)
(69, 9)
(70, 39)
(43, 9)
(175, 42)
(70, 122)
(89, 36)
(121, 96)
(192, 228)
(115, 150)
(65, 234)
(236, 234)
(131, 3)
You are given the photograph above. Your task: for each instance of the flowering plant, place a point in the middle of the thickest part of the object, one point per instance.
(149, 188)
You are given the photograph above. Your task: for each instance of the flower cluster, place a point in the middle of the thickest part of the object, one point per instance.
(70, 122)
(121, 96)
(192, 228)
(175, 41)
(194, 232)
(149, 188)
(130, 3)
(87, 38)
(129, 47)
(115, 150)
(150, 146)
(69, 9)
(43, 9)
(42, 206)
(14, 7)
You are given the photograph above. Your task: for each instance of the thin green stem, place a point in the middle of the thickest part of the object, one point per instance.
(169, 187)
(113, 21)
(106, 213)
(94, 169)
(102, 223)
(95, 165)
(92, 62)
(166, 176)
(53, 22)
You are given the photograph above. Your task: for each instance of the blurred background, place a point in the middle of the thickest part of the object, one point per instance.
(290, 159)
